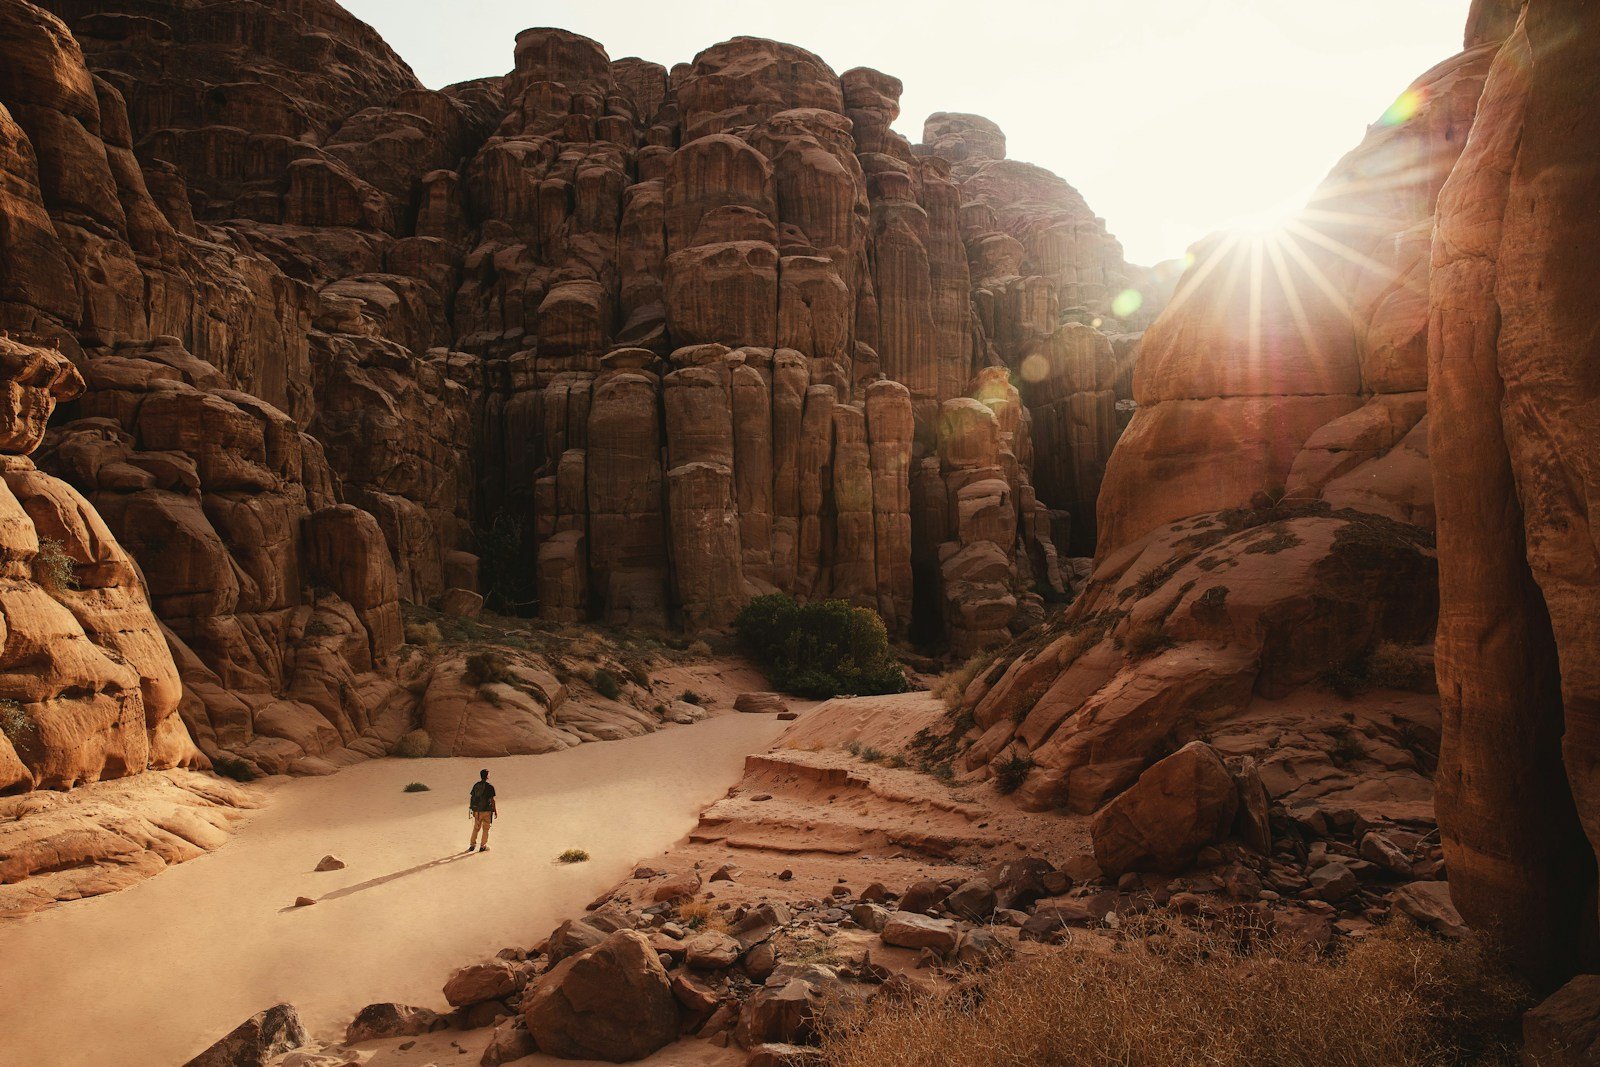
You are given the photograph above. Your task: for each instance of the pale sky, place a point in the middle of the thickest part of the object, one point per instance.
(1172, 117)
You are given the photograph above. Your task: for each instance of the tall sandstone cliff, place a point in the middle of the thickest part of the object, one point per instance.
(595, 338)
(1363, 438)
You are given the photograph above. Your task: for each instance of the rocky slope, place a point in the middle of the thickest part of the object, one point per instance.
(1365, 428)
(599, 340)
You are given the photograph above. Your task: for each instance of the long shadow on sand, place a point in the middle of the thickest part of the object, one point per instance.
(383, 879)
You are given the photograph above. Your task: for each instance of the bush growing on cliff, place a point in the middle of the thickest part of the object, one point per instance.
(820, 649)
(14, 721)
(53, 568)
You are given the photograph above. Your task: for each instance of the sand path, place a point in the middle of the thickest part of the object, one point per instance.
(154, 974)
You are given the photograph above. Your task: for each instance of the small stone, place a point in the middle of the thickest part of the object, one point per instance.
(303, 902)
(1332, 882)
(909, 930)
(330, 863)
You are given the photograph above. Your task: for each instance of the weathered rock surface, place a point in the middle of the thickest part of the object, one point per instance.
(257, 1041)
(610, 1002)
(1180, 805)
(1511, 387)
(651, 344)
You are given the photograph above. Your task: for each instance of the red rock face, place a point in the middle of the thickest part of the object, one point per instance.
(1513, 388)
(678, 337)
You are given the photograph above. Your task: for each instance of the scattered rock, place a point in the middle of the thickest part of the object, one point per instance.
(760, 703)
(391, 1020)
(1564, 1030)
(478, 982)
(511, 1041)
(778, 1055)
(910, 930)
(923, 896)
(1429, 904)
(1177, 807)
(711, 952)
(678, 887)
(695, 996)
(1050, 922)
(254, 1042)
(610, 1002)
(330, 863)
(1332, 882)
(973, 899)
(1377, 848)
(303, 902)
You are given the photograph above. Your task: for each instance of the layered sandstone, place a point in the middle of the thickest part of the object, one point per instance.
(1512, 387)
(649, 343)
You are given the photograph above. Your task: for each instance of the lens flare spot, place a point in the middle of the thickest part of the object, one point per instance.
(1035, 369)
(1096, 323)
(1126, 303)
(1404, 109)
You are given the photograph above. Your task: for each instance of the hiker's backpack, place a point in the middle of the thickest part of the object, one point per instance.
(482, 794)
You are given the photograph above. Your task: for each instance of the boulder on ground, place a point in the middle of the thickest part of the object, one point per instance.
(478, 982)
(678, 887)
(330, 863)
(1564, 1031)
(610, 1002)
(511, 1041)
(254, 1042)
(711, 952)
(760, 703)
(387, 1019)
(1177, 807)
(1429, 904)
(909, 930)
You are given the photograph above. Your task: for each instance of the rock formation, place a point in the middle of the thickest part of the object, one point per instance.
(1512, 387)
(593, 338)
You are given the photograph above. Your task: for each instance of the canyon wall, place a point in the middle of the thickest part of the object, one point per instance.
(595, 339)
(1515, 389)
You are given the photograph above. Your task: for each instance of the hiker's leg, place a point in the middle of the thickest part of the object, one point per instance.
(477, 825)
(488, 821)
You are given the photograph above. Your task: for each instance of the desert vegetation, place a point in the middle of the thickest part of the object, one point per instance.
(819, 649)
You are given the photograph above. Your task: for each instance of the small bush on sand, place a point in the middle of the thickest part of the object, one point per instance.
(573, 855)
(853, 747)
(1009, 776)
(871, 755)
(423, 633)
(413, 745)
(1399, 997)
(233, 767)
(820, 649)
(415, 787)
(606, 684)
(14, 722)
(689, 696)
(53, 568)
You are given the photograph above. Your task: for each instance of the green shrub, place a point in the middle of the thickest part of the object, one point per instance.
(1392, 666)
(415, 787)
(897, 760)
(689, 696)
(606, 684)
(1009, 776)
(53, 568)
(945, 771)
(508, 553)
(573, 855)
(853, 747)
(820, 649)
(14, 721)
(871, 755)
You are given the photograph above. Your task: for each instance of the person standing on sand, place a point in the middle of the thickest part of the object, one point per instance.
(480, 805)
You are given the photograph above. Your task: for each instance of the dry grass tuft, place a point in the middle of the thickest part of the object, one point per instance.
(573, 855)
(701, 916)
(1401, 997)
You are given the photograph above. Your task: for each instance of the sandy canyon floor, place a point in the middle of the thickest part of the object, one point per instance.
(152, 975)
